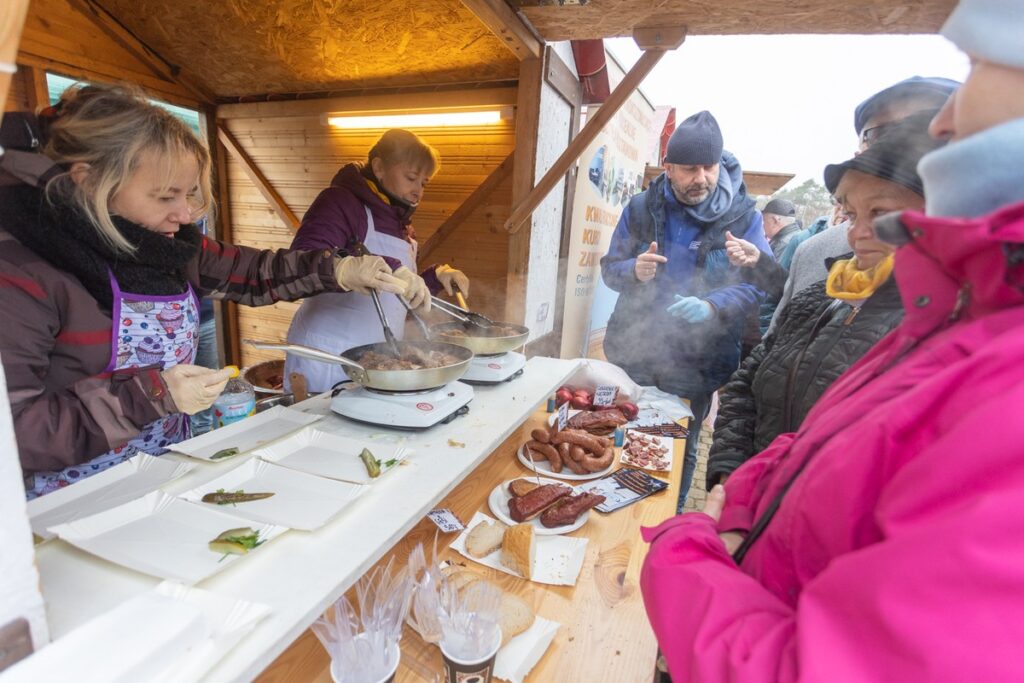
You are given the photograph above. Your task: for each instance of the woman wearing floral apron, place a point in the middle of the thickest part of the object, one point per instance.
(369, 205)
(101, 270)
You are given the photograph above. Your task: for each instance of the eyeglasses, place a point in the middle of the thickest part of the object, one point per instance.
(869, 136)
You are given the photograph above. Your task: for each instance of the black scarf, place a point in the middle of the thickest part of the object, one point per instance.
(61, 235)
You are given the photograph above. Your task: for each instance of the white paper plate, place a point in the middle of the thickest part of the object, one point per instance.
(331, 456)
(111, 487)
(229, 621)
(252, 432)
(160, 535)
(498, 502)
(543, 467)
(663, 441)
(300, 501)
(558, 561)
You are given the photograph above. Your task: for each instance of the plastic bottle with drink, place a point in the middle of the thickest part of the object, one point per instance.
(236, 402)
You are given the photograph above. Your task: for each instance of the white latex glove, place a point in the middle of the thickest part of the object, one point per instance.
(195, 388)
(363, 273)
(416, 291)
(646, 266)
(741, 253)
(448, 276)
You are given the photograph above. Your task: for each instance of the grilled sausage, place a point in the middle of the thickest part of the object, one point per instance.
(548, 451)
(536, 501)
(596, 463)
(542, 435)
(577, 453)
(564, 449)
(576, 437)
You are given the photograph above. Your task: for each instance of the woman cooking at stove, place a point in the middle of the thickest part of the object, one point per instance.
(372, 205)
(101, 269)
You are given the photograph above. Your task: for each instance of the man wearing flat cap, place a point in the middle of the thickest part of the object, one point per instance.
(780, 226)
(680, 314)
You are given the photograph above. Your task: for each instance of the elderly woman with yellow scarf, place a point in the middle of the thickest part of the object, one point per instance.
(827, 327)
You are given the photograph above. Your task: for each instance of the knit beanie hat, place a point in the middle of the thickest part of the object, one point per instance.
(992, 30)
(697, 141)
(894, 156)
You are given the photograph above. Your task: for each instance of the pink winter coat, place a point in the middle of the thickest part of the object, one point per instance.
(898, 552)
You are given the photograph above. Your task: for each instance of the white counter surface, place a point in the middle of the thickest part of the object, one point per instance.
(299, 574)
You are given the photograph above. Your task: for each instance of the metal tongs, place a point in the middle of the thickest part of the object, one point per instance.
(463, 314)
(359, 249)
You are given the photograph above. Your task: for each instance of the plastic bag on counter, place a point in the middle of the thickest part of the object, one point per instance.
(669, 405)
(593, 373)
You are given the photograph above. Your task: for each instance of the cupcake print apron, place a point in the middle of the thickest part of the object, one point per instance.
(337, 322)
(146, 330)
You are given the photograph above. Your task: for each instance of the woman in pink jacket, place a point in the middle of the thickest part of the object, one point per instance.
(884, 541)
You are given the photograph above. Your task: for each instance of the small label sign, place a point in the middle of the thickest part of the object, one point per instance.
(563, 416)
(606, 395)
(445, 520)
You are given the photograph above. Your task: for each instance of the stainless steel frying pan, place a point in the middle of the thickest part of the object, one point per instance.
(385, 380)
(480, 340)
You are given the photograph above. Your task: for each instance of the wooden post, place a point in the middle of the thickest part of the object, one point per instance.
(12, 20)
(513, 32)
(473, 202)
(227, 312)
(531, 78)
(261, 182)
(525, 208)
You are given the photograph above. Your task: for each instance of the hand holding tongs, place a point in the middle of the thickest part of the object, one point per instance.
(359, 249)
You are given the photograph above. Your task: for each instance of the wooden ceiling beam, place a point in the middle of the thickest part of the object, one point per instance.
(514, 33)
(261, 182)
(474, 201)
(126, 39)
(595, 124)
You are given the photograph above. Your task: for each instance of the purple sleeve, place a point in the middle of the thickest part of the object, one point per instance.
(429, 275)
(334, 220)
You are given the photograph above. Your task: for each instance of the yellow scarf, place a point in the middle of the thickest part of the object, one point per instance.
(847, 282)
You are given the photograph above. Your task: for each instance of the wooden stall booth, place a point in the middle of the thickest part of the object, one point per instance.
(271, 86)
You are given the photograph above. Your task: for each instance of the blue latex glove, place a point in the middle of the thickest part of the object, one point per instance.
(691, 309)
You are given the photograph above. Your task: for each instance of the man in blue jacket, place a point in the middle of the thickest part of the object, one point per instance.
(679, 318)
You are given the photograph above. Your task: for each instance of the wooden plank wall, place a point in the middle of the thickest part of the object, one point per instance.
(300, 155)
(19, 96)
(61, 39)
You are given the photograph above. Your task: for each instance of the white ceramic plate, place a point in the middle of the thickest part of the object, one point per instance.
(111, 487)
(300, 501)
(498, 502)
(543, 467)
(162, 536)
(252, 432)
(331, 456)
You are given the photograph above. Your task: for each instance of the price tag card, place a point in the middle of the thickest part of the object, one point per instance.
(445, 520)
(606, 395)
(563, 416)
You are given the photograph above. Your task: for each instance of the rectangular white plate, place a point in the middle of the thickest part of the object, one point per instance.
(558, 561)
(229, 620)
(245, 435)
(160, 535)
(300, 501)
(331, 456)
(112, 487)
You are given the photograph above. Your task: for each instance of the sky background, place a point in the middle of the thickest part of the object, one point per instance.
(785, 103)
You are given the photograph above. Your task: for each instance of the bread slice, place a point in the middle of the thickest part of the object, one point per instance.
(485, 538)
(520, 487)
(518, 549)
(515, 616)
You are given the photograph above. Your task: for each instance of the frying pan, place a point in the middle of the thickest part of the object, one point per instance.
(385, 380)
(477, 339)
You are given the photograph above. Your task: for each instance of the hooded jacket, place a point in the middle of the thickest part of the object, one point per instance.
(897, 550)
(688, 359)
(817, 340)
(337, 217)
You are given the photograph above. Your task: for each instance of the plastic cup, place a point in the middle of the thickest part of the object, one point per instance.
(475, 671)
(393, 659)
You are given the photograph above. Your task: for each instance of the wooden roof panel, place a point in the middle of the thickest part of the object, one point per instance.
(251, 47)
(607, 18)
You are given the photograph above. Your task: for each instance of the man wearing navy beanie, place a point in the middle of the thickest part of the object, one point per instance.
(679, 318)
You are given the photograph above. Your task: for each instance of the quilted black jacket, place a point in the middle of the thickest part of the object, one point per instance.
(816, 340)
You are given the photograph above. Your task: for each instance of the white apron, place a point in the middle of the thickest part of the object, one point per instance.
(338, 321)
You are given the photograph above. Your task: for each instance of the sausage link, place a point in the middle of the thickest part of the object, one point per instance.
(544, 449)
(541, 435)
(593, 463)
(577, 437)
(577, 453)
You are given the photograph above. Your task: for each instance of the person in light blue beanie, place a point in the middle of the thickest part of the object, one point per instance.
(981, 169)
